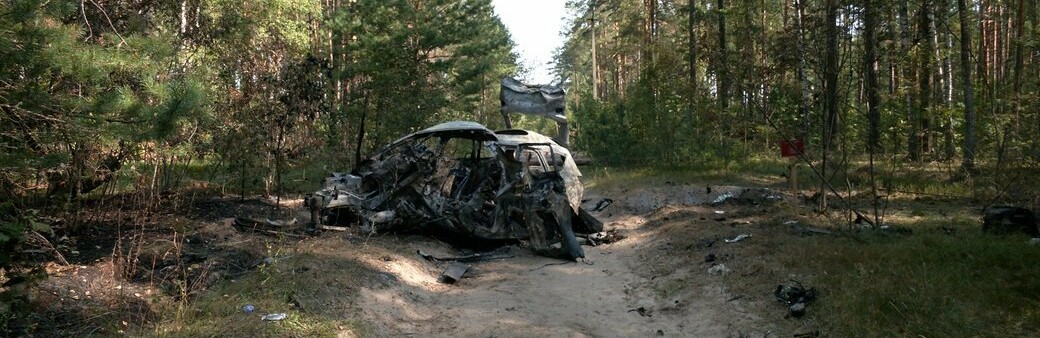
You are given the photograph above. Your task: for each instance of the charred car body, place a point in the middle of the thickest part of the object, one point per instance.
(461, 179)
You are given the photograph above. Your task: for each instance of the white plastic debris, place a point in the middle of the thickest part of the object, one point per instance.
(720, 212)
(383, 216)
(719, 269)
(739, 238)
(722, 198)
(281, 223)
(274, 316)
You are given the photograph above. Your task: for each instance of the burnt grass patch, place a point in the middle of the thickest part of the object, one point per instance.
(132, 257)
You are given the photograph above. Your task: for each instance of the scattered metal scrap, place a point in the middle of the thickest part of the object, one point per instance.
(739, 238)
(718, 269)
(477, 257)
(748, 196)
(603, 204)
(274, 317)
(807, 230)
(1004, 219)
(267, 226)
(265, 223)
(722, 198)
(642, 311)
(600, 238)
(463, 180)
(453, 273)
(539, 100)
(796, 297)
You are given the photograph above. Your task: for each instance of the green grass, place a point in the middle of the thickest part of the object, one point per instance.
(875, 284)
(751, 171)
(930, 179)
(315, 305)
(925, 285)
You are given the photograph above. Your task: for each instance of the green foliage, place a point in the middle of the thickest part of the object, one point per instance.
(264, 86)
(16, 276)
(180, 100)
(927, 285)
(418, 64)
(657, 97)
(314, 303)
(12, 226)
(85, 89)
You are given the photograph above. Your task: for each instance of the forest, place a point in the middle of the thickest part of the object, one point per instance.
(119, 114)
(925, 81)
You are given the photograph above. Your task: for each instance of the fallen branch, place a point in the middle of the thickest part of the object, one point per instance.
(467, 258)
(332, 228)
(265, 227)
(42, 242)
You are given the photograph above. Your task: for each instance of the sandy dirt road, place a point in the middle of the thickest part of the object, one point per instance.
(615, 292)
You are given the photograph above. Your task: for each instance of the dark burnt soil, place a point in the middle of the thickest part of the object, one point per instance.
(672, 271)
(127, 254)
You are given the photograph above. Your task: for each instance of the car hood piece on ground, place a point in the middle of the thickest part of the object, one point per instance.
(462, 180)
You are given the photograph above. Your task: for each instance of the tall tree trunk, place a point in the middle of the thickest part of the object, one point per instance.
(803, 105)
(1020, 23)
(1034, 17)
(951, 148)
(595, 65)
(893, 67)
(873, 99)
(692, 34)
(870, 71)
(723, 71)
(941, 52)
(922, 126)
(830, 121)
(649, 66)
(984, 50)
(184, 18)
(969, 103)
(361, 131)
(904, 27)
(649, 31)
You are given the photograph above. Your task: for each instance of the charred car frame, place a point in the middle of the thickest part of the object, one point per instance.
(463, 180)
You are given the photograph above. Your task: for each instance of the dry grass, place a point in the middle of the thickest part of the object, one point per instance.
(928, 284)
(308, 287)
(934, 274)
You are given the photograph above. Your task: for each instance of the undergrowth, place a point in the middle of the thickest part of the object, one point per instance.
(289, 284)
(926, 285)
(934, 274)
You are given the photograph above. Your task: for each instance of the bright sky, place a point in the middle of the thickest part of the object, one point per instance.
(535, 26)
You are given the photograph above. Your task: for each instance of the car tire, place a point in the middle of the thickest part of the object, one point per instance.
(569, 241)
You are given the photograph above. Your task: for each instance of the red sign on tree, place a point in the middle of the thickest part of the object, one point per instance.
(789, 148)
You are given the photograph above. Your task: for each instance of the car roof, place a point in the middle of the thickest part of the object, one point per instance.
(463, 129)
(514, 137)
(451, 129)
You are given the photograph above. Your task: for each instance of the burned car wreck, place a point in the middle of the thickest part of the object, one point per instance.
(462, 180)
